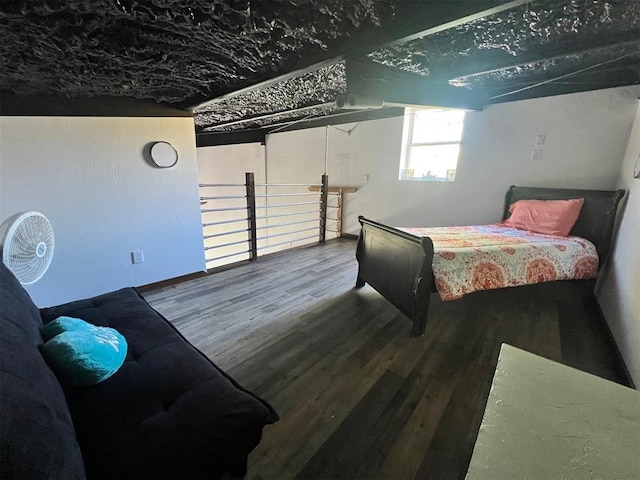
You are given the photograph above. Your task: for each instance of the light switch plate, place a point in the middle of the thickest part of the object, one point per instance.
(137, 256)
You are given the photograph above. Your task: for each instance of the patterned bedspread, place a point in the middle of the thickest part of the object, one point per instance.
(484, 257)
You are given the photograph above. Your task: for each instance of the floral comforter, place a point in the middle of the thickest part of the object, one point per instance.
(484, 257)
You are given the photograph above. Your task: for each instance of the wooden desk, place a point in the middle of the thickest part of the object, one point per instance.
(545, 420)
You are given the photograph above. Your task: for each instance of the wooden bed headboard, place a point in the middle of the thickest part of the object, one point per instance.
(597, 217)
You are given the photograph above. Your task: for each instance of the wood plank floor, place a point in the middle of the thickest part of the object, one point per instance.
(357, 397)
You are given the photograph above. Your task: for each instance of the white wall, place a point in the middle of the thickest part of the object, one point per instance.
(227, 164)
(89, 177)
(619, 295)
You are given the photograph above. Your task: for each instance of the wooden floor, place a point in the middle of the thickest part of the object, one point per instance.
(357, 397)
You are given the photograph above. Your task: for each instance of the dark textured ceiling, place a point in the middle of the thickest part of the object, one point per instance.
(270, 65)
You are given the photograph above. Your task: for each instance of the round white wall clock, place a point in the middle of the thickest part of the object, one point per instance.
(164, 155)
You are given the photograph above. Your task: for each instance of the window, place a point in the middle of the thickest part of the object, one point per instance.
(431, 144)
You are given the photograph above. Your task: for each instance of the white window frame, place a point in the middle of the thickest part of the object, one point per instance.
(404, 173)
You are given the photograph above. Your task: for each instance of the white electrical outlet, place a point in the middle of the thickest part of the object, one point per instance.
(365, 178)
(539, 141)
(137, 256)
(536, 155)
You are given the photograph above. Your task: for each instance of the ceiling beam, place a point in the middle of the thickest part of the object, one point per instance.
(566, 75)
(54, 106)
(588, 81)
(445, 15)
(209, 139)
(340, 118)
(633, 40)
(270, 115)
(484, 12)
(230, 138)
(551, 90)
(397, 88)
(266, 83)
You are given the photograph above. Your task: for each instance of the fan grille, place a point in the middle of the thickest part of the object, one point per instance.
(28, 244)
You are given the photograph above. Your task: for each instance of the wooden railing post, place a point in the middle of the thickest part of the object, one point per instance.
(339, 212)
(251, 215)
(324, 191)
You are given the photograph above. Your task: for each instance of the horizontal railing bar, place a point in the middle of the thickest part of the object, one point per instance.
(284, 243)
(332, 206)
(210, 224)
(270, 195)
(287, 224)
(222, 185)
(286, 233)
(207, 185)
(288, 184)
(286, 204)
(332, 231)
(287, 214)
(334, 219)
(226, 256)
(229, 209)
(225, 233)
(223, 197)
(225, 245)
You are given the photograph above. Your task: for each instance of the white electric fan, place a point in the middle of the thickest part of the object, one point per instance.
(27, 245)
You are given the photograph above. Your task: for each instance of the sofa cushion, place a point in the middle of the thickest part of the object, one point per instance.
(169, 412)
(37, 438)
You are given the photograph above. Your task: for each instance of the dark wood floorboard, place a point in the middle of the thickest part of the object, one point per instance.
(357, 397)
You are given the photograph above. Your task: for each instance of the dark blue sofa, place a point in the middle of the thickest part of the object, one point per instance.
(168, 412)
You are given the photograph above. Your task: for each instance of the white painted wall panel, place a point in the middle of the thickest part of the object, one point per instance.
(619, 292)
(89, 177)
(227, 164)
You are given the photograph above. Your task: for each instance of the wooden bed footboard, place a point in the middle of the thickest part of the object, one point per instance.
(397, 265)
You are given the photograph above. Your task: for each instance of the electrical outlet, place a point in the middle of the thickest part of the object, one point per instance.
(137, 256)
(536, 155)
(539, 141)
(365, 178)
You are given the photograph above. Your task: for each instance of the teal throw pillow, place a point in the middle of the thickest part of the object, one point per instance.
(85, 356)
(62, 324)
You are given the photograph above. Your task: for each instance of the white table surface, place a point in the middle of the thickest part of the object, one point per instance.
(545, 420)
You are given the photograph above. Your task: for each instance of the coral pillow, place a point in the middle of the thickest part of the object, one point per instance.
(553, 217)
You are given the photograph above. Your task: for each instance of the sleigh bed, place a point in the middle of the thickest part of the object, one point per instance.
(399, 263)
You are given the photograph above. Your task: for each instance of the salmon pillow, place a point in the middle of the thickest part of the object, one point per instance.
(553, 217)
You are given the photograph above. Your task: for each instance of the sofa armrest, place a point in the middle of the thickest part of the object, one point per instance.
(37, 438)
